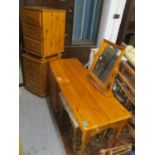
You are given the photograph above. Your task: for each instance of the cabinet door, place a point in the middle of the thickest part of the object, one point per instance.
(53, 32)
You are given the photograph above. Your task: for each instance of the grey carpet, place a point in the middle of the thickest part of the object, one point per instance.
(20, 75)
(37, 126)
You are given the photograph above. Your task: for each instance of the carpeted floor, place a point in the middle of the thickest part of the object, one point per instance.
(37, 126)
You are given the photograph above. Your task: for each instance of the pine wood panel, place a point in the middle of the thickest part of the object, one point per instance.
(54, 32)
(33, 32)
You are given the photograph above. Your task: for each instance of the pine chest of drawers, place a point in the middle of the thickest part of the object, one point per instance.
(43, 30)
(35, 73)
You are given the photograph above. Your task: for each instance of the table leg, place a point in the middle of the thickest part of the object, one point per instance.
(74, 138)
(85, 139)
(120, 129)
(61, 111)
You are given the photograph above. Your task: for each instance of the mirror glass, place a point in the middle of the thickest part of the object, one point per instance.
(105, 63)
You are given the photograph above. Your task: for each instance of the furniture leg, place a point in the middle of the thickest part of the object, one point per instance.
(74, 138)
(119, 131)
(61, 111)
(85, 139)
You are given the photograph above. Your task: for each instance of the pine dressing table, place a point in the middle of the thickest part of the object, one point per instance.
(93, 110)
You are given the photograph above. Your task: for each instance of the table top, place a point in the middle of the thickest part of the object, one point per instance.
(90, 107)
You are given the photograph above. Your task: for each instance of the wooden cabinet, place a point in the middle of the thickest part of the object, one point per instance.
(43, 30)
(35, 73)
(43, 37)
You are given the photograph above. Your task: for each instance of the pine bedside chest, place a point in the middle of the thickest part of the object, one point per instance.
(43, 30)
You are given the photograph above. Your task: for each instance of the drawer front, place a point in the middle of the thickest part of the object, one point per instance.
(30, 74)
(33, 45)
(34, 87)
(32, 17)
(33, 66)
(34, 84)
(32, 31)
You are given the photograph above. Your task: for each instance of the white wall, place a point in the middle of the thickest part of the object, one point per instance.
(109, 27)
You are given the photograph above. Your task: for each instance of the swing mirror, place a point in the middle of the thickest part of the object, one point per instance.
(105, 65)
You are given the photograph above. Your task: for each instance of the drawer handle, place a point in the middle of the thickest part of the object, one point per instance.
(30, 18)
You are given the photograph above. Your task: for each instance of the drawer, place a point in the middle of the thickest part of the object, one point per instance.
(33, 45)
(30, 65)
(34, 87)
(33, 17)
(30, 74)
(34, 84)
(32, 31)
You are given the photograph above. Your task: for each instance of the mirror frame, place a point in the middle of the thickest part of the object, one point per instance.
(106, 87)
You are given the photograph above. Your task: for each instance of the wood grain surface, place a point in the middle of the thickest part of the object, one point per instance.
(91, 108)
